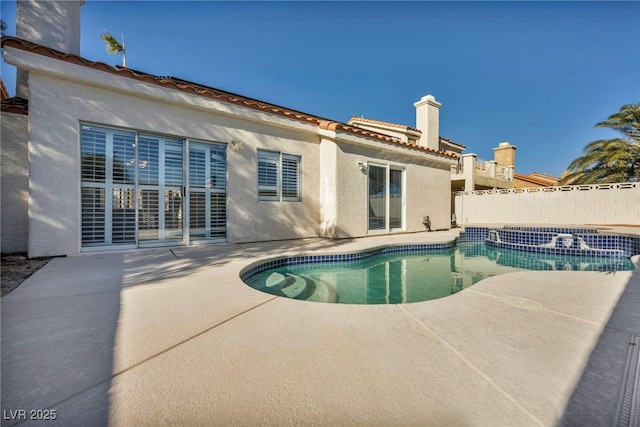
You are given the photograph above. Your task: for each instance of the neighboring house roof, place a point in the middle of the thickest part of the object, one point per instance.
(15, 105)
(537, 178)
(403, 127)
(379, 122)
(448, 141)
(207, 92)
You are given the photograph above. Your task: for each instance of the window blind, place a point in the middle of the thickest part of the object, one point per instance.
(268, 175)
(290, 177)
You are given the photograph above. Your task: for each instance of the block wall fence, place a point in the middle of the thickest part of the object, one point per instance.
(602, 204)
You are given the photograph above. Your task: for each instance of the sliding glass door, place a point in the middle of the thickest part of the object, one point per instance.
(144, 190)
(108, 193)
(386, 197)
(160, 181)
(207, 191)
(396, 199)
(377, 197)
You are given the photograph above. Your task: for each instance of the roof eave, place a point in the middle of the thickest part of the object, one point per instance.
(200, 91)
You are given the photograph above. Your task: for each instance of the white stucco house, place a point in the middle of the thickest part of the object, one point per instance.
(99, 157)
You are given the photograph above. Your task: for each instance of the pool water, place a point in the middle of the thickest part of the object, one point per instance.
(419, 276)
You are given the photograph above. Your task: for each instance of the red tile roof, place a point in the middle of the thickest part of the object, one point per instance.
(15, 105)
(399, 126)
(538, 178)
(447, 140)
(379, 122)
(204, 91)
(336, 126)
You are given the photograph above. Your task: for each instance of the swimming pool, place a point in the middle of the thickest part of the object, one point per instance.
(411, 273)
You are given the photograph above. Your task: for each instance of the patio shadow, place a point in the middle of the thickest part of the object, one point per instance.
(595, 399)
(58, 334)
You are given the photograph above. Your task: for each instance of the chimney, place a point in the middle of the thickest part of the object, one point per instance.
(55, 24)
(505, 154)
(427, 121)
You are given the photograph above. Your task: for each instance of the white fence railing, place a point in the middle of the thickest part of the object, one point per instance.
(571, 204)
(622, 185)
(486, 169)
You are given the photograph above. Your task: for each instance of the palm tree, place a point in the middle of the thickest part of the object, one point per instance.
(611, 160)
(113, 46)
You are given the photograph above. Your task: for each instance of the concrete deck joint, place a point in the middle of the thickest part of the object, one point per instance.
(166, 350)
(473, 367)
(509, 301)
(184, 341)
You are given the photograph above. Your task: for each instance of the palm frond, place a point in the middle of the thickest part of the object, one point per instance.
(627, 121)
(605, 161)
(113, 46)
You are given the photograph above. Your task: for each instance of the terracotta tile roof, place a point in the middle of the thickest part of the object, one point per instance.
(15, 105)
(448, 141)
(379, 122)
(536, 178)
(399, 126)
(204, 91)
(336, 126)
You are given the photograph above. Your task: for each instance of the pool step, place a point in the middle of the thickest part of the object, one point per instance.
(301, 287)
(325, 292)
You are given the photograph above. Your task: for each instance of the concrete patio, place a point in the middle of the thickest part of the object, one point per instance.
(173, 337)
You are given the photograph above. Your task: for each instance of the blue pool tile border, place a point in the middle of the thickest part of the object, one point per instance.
(335, 258)
(528, 238)
(520, 238)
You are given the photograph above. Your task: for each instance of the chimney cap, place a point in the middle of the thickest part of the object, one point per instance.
(427, 99)
(505, 145)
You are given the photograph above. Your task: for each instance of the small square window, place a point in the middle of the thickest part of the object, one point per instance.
(278, 176)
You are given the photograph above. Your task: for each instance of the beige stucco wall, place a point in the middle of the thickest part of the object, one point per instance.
(55, 24)
(55, 157)
(584, 204)
(14, 182)
(427, 188)
(334, 190)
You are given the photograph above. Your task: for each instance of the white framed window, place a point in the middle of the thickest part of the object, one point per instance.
(278, 176)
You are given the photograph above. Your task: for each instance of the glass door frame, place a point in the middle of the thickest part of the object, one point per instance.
(207, 191)
(161, 187)
(109, 186)
(388, 167)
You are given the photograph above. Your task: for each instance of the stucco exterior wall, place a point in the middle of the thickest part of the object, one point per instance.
(58, 108)
(15, 183)
(55, 24)
(333, 188)
(328, 189)
(581, 204)
(427, 189)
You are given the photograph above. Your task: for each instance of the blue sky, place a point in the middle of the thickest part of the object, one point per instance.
(536, 74)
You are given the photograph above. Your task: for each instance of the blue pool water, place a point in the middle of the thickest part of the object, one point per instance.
(412, 276)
